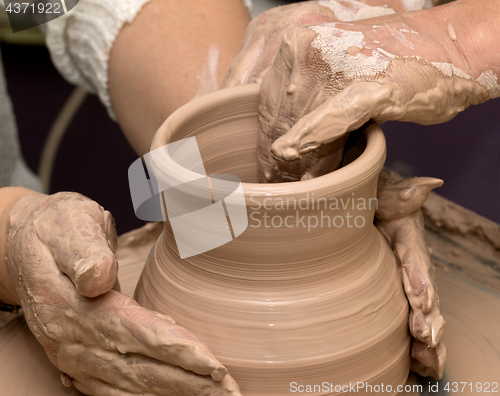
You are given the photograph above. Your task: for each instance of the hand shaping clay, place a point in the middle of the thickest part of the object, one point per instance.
(310, 290)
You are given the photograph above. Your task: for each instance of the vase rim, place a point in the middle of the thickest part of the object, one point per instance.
(369, 162)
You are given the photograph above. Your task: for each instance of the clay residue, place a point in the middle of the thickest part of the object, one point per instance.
(207, 76)
(450, 217)
(353, 50)
(462, 241)
(413, 5)
(451, 32)
(352, 10)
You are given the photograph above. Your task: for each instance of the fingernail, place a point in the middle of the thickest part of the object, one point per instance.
(84, 276)
(66, 380)
(219, 373)
(289, 154)
(91, 281)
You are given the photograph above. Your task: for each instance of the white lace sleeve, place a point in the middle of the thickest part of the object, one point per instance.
(80, 41)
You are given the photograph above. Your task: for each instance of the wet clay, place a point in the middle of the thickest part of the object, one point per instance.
(451, 32)
(284, 302)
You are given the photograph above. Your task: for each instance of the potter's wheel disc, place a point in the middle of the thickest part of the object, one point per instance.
(472, 335)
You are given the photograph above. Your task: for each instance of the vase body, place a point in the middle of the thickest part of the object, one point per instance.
(309, 293)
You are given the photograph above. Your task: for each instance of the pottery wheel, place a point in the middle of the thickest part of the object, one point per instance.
(471, 310)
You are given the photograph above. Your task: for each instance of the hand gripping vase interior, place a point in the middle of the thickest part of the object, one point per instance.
(310, 293)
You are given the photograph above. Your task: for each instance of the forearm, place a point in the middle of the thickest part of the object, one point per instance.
(472, 30)
(160, 61)
(8, 197)
(465, 35)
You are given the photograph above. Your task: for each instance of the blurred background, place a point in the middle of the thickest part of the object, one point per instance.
(68, 137)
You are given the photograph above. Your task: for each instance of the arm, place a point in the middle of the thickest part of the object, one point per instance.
(146, 58)
(172, 51)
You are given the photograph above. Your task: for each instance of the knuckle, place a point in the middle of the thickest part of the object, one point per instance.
(299, 34)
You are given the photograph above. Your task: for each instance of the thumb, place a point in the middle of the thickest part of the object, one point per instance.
(84, 248)
(346, 111)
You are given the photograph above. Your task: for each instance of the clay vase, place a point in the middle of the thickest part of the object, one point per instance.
(286, 303)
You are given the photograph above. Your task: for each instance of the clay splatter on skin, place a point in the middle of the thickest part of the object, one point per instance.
(413, 5)
(334, 43)
(208, 74)
(351, 10)
(451, 32)
(490, 81)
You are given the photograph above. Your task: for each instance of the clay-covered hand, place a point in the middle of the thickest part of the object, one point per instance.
(400, 220)
(330, 79)
(264, 34)
(101, 340)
